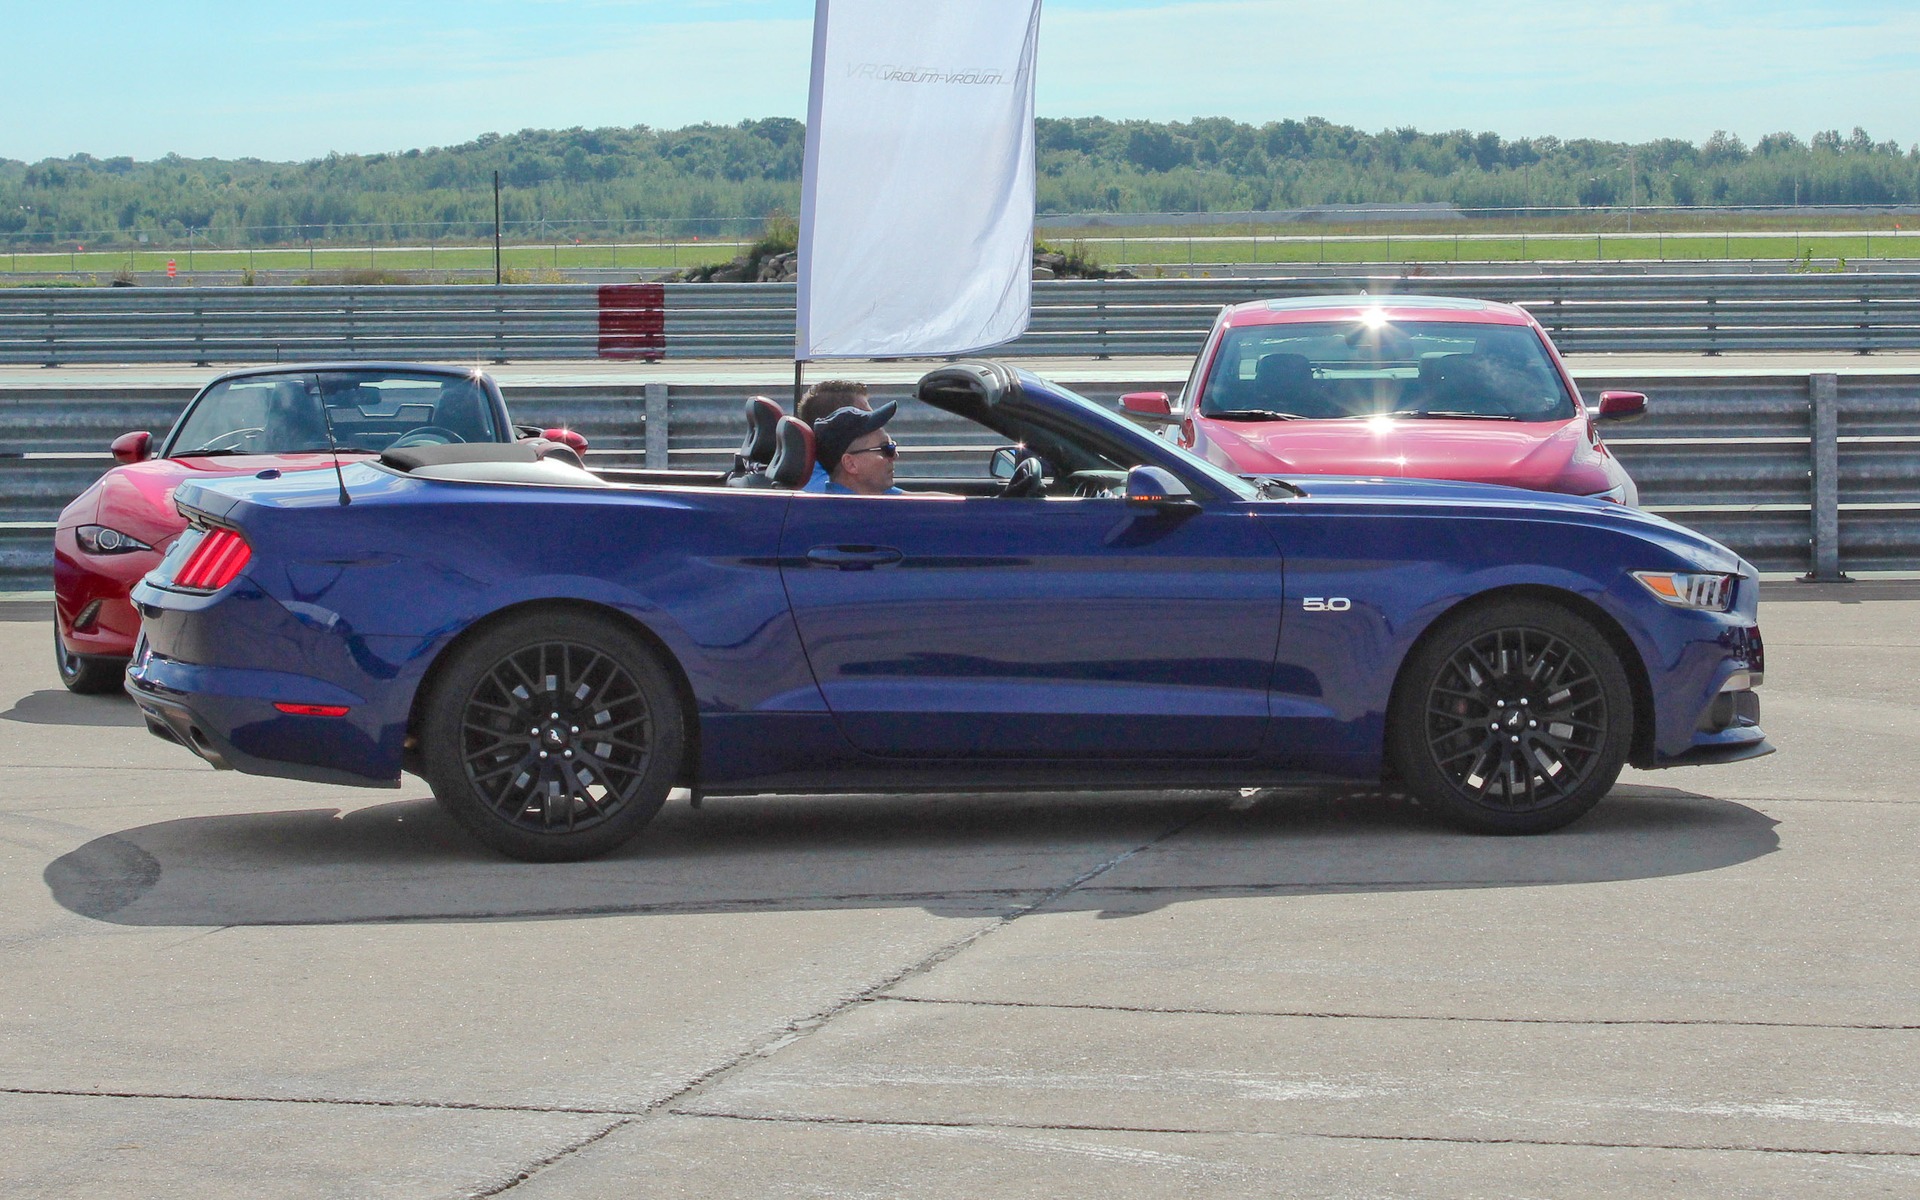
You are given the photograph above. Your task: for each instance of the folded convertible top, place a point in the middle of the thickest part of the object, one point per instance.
(412, 458)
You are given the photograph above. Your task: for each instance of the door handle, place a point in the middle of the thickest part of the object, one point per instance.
(854, 558)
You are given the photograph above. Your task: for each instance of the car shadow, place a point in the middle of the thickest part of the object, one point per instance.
(57, 706)
(966, 856)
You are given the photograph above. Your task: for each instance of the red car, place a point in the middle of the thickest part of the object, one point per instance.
(1426, 386)
(252, 422)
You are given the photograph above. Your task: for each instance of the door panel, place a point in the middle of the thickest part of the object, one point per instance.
(970, 627)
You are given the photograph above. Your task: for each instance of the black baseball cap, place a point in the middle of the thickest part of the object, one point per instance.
(841, 428)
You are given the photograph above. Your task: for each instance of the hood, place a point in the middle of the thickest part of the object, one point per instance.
(1698, 550)
(1552, 456)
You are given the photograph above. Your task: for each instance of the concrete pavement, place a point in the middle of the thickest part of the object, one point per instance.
(215, 985)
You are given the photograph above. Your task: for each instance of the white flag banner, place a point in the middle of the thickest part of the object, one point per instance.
(916, 211)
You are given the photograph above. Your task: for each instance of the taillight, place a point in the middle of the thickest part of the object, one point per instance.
(215, 562)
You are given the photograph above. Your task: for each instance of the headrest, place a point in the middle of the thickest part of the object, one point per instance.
(762, 415)
(792, 464)
(1284, 369)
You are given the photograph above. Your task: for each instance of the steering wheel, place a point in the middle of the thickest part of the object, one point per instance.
(1028, 479)
(425, 435)
(231, 439)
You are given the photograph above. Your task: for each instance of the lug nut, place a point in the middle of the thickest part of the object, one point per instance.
(1514, 740)
(543, 754)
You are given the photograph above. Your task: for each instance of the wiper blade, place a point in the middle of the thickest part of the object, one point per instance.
(1456, 415)
(208, 452)
(1264, 482)
(1253, 414)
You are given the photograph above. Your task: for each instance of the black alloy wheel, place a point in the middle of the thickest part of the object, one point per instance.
(1514, 718)
(554, 737)
(87, 674)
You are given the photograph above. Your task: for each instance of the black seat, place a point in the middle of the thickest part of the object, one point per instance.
(1464, 383)
(1285, 384)
(460, 408)
(792, 462)
(756, 449)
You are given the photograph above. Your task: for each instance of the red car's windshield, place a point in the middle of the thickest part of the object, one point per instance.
(1369, 368)
(369, 410)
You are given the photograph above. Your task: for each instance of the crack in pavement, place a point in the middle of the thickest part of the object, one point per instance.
(531, 1169)
(323, 1101)
(1360, 1016)
(796, 1030)
(1070, 1127)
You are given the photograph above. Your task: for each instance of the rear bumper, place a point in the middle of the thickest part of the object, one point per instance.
(226, 717)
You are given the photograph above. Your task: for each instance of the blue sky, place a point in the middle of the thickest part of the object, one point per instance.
(286, 81)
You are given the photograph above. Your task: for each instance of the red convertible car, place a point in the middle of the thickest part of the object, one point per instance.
(262, 422)
(1422, 386)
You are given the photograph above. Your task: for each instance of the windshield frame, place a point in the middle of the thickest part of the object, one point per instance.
(330, 380)
(1153, 451)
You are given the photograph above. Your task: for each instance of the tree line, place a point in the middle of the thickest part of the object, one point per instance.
(731, 177)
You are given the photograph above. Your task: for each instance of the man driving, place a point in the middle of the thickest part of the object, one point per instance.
(822, 400)
(852, 446)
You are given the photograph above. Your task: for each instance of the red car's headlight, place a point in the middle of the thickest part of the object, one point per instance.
(102, 539)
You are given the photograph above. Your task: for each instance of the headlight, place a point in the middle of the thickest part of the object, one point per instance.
(1618, 494)
(99, 539)
(1709, 591)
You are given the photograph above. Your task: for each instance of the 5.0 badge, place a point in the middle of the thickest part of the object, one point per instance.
(1326, 603)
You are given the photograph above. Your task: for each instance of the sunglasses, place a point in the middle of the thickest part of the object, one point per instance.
(888, 450)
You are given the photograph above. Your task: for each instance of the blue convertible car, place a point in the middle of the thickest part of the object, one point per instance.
(554, 649)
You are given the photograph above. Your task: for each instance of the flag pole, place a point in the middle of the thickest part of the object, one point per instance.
(799, 365)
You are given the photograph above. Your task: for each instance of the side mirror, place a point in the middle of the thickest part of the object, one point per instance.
(1005, 459)
(1159, 489)
(1147, 404)
(132, 447)
(1621, 406)
(566, 437)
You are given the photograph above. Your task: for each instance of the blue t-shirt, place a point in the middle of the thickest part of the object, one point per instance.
(820, 480)
(827, 485)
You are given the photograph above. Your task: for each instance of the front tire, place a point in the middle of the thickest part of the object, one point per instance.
(553, 737)
(87, 674)
(1512, 718)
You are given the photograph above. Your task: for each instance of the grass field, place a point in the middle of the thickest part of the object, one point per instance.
(1665, 236)
(1824, 246)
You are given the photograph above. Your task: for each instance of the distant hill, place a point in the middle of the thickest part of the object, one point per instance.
(636, 176)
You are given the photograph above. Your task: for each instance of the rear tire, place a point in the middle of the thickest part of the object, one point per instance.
(553, 737)
(87, 674)
(1512, 718)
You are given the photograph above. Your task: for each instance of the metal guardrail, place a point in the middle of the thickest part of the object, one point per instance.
(1806, 474)
(1685, 312)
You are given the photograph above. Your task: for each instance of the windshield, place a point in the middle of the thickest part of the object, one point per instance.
(1120, 437)
(369, 410)
(1334, 370)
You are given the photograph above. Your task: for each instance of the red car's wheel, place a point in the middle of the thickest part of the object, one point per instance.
(87, 674)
